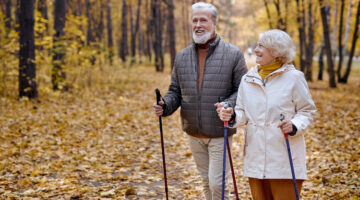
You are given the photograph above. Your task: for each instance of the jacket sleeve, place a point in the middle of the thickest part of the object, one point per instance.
(305, 109)
(172, 98)
(239, 70)
(241, 118)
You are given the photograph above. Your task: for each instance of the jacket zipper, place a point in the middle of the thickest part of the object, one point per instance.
(265, 126)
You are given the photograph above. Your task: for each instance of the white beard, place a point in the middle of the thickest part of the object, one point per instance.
(204, 38)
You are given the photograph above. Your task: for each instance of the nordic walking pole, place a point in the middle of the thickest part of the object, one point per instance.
(290, 159)
(224, 156)
(232, 170)
(158, 97)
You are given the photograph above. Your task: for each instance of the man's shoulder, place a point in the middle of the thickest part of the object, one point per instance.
(186, 50)
(228, 45)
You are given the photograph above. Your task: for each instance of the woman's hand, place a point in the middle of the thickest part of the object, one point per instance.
(286, 126)
(224, 114)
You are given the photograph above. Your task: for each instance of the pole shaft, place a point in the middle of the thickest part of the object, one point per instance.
(232, 170)
(291, 166)
(163, 158)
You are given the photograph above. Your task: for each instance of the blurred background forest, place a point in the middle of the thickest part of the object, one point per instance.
(63, 40)
(77, 80)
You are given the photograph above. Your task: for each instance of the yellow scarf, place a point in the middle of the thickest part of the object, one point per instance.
(267, 69)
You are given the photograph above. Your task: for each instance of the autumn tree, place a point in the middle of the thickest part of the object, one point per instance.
(124, 39)
(344, 78)
(27, 67)
(171, 31)
(156, 11)
(109, 31)
(58, 75)
(326, 31)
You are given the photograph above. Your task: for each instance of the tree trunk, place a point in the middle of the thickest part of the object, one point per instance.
(109, 32)
(171, 30)
(133, 35)
(100, 24)
(8, 19)
(344, 79)
(310, 45)
(268, 13)
(301, 30)
(156, 8)
(332, 82)
(321, 61)
(149, 31)
(27, 68)
(334, 32)
(124, 38)
(280, 21)
(340, 45)
(137, 28)
(89, 35)
(17, 16)
(347, 28)
(58, 75)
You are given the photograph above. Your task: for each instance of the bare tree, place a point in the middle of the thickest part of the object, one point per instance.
(323, 10)
(27, 68)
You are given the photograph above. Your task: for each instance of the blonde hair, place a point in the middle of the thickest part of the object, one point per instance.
(280, 45)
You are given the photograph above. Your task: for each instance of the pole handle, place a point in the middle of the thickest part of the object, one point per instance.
(158, 96)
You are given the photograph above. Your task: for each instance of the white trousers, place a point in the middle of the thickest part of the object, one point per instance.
(208, 156)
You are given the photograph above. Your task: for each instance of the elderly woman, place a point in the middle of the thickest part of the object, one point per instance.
(271, 88)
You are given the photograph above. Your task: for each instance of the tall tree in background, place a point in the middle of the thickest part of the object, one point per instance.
(124, 38)
(344, 78)
(8, 19)
(58, 75)
(310, 44)
(268, 13)
(171, 31)
(43, 9)
(90, 35)
(280, 21)
(109, 32)
(301, 30)
(134, 29)
(340, 36)
(323, 10)
(27, 68)
(159, 59)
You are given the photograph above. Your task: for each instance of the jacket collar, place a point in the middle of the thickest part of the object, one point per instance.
(212, 45)
(285, 67)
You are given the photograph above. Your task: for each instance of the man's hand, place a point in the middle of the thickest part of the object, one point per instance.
(158, 109)
(286, 126)
(224, 114)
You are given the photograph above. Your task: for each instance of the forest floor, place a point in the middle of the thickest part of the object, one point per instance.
(104, 143)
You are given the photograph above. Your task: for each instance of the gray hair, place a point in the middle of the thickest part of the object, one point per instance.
(212, 8)
(280, 44)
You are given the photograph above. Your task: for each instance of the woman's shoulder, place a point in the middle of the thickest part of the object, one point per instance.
(293, 72)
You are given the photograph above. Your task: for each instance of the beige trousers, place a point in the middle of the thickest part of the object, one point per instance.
(208, 156)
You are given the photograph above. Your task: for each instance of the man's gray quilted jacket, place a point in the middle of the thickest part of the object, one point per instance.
(224, 67)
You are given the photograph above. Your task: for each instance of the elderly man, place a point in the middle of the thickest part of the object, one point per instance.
(205, 71)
